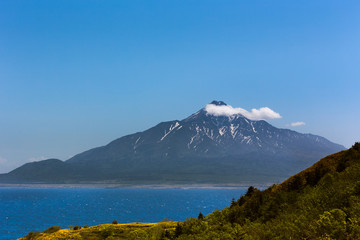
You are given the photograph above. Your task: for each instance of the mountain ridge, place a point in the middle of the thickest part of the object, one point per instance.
(202, 148)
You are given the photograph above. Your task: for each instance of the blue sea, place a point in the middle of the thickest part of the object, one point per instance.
(35, 209)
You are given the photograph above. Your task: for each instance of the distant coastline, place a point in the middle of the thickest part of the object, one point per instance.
(137, 186)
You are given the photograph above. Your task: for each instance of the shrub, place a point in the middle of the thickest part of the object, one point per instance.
(114, 222)
(52, 229)
(357, 188)
(107, 231)
(250, 191)
(332, 223)
(32, 235)
(178, 229)
(86, 226)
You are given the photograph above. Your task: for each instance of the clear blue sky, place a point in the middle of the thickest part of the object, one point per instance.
(78, 74)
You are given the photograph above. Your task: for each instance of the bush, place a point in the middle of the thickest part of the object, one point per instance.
(250, 191)
(114, 222)
(107, 232)
(86, 226)
(178, 229)
(32, 235)
(332, 223)
(52, 229)
(77, 228)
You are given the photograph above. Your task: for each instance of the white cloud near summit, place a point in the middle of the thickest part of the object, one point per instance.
(255, 114)
(296, 124)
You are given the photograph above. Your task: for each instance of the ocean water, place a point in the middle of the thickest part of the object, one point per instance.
(35, 209)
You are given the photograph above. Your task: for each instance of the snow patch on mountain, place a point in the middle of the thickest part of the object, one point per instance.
(172, 127)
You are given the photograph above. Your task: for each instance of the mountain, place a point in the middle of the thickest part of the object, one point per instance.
(203, 148)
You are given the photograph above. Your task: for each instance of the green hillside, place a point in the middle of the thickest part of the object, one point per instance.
(321, 202)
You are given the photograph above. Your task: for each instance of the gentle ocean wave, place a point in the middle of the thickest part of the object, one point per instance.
(35, 209)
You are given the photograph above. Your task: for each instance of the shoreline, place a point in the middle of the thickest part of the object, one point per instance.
(132, 186)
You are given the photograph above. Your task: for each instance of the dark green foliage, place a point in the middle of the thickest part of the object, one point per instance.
(106, 232)
(357, 188)
(166, 234)
(241, 201)
(178, 230)
(201, 216)
(356, 146)
(76, 228)
(86, 226)
(32, 235)
(233, 203)
(321, 202)
(52, 229)
(250, 191)
(114, 222)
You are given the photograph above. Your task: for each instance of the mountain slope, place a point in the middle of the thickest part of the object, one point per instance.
(203, 148)
(52, 169)
(321, 202)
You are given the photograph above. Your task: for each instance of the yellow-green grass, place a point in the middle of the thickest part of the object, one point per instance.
(110, 232)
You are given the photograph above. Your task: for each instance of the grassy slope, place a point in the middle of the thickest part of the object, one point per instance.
(109, 231)
(321, 202)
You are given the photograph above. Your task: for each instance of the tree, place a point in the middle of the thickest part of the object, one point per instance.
(250, 191)
(233, 203)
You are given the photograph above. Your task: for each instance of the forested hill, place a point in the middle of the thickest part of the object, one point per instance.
(321, 202)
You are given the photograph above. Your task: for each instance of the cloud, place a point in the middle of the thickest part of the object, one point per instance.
(296, 124)
(255, 114)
